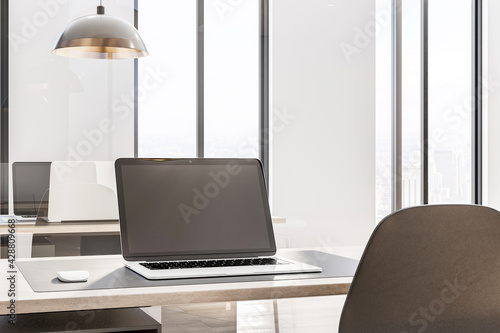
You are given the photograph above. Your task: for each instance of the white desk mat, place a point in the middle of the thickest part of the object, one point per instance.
(110, 273)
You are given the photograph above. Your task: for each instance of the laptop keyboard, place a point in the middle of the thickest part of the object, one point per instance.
(212, 263)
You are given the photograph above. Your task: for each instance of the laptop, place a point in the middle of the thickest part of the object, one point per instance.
(30, 182)
(188, 218)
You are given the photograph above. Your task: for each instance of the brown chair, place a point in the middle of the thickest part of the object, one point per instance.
(428, 269)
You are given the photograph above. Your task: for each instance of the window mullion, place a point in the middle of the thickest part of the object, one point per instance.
(200, 79)
(424, 77)
(397, 187)
(477, 106)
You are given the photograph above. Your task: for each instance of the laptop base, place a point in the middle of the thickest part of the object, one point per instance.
(291, 266)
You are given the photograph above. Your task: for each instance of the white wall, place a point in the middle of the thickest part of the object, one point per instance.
(323, 146)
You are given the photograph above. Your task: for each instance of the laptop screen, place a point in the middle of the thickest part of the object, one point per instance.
(193, 208)
(30, 182)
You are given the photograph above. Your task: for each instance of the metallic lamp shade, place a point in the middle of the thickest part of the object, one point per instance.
(100, 37)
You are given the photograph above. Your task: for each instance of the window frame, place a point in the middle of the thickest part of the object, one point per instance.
(477, 107)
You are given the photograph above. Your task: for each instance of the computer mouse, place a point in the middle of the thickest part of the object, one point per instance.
(73, 276)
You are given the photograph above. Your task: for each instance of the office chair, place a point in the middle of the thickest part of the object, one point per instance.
(428, 269)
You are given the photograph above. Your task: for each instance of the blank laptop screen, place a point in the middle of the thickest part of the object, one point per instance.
(30, 182)
(192, 207)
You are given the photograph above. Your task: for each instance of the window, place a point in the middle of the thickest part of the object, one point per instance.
(331, 137)
(167, 79)
(436, 131)
(450, 102)
(168, 108)
(232, 62)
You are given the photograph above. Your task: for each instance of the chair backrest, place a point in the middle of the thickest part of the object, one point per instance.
(82, 191)
(428, 269)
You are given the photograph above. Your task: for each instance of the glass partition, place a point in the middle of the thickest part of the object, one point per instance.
(60, 108)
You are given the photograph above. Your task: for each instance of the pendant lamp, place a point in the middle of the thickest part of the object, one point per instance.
(100, 37)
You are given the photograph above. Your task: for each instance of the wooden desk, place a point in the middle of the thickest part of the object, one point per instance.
(28, 301)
